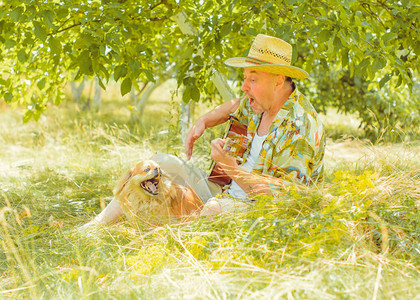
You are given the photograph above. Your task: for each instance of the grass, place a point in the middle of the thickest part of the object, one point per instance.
(355, 237)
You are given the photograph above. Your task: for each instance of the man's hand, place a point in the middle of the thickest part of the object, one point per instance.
(195, 132)
(252, 184)
(221, 156)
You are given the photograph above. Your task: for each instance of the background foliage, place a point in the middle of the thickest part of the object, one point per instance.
(362, 55)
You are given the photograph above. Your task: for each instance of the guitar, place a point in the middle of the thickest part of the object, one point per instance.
(236, 144)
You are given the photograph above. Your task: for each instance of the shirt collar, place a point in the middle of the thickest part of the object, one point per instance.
(288, 106)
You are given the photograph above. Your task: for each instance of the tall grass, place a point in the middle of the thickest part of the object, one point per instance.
(355, 237)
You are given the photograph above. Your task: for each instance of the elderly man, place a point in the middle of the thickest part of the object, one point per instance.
(286, 137)
(285, 133)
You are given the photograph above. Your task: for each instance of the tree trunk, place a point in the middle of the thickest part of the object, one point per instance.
(96, 103)
(77, 91)
(140, 104)
(185, 120)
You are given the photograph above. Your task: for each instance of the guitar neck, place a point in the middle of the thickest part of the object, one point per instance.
(236, 145)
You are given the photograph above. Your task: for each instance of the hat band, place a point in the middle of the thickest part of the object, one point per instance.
(256, 61)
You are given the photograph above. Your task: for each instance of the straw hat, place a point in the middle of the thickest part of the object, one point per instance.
(269, 54)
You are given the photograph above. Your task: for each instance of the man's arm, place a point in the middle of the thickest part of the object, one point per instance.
(215, 117)
(252, 184)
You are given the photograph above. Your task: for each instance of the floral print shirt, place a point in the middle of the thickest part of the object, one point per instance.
(295, 145)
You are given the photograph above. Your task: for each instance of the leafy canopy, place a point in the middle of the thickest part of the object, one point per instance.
(353, 49)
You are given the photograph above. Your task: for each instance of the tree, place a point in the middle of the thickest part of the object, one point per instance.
(375, 43)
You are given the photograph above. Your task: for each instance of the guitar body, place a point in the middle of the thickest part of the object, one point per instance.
(236, 144)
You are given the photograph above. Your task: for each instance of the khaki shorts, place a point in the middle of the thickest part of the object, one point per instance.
(187, 174)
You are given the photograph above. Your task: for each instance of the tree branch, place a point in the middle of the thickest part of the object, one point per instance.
(367, 8)
(157, 19)
(67, 28)
(64, 23)
(389, 10)
(157, 4)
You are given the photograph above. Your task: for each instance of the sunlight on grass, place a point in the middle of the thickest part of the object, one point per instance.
(354, 237)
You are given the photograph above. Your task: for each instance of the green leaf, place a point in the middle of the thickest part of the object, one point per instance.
(40, 31)
(16, 13)
(48, 17)
(387, 37)
(126, 86)
(104, 71)
(344, 57)
(82, 42)
(195, 93)
(356, 37)
(41, 83)
(9, 44)
(294, 53)
(337, 44)
(22, 56)
(134, 67)
(101, 83)
(187, 53)
(268, 5)
(198, 60)
(148, 74)
(141, 48)
(191, 92)
(251, 31)
(364, 63)
(399, 81)
(85, 62)
(188, 81)
(384, 80)
(324, 36)
(37, 114)
(119, 72)
(236, 27)
(8, 97)
(186, 95)
(226, 29)
(55, 45)
(27, 116)
(62, 13)
(378, 64)
(416, 48)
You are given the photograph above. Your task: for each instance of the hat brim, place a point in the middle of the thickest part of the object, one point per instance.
(286, 70)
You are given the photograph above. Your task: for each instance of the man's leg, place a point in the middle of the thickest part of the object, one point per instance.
(215, 206)
(187, 174)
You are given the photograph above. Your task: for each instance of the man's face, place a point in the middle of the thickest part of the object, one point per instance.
(259, 87)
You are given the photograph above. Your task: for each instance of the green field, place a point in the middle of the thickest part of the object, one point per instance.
(355, 237)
